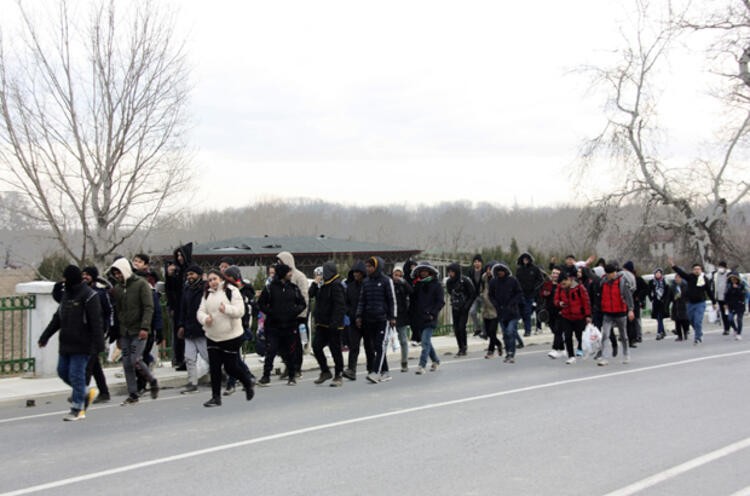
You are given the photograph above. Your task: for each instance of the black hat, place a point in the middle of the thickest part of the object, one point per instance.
(571, 272)
(72, 275)
(610, 268)
(233, 272)
(92, 271)
(282, 270)
(195, 268)
(477, 257)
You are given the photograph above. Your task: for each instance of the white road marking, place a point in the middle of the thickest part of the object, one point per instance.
(682, 468)
(331, 425)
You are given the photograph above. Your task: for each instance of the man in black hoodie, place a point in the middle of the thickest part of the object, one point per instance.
(462, 296)
(531, 279)
(375, 310)
(281, 302)
(353, 290)
(174, 282)
(506, 295)
(475, 273)
(79, 320)
(330, 308)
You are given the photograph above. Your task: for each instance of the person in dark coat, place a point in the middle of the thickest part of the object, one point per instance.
(531, 279)
(427, 303)
(176, 274)
(506, 295)
(735, 297)
(79, 320)
(678, 304)
(404, 291)
(188, 327)
(699, 290)
(94, 368)
(659, 294)
(354, 282)
(462, 293)
(635, 329)
(330, 309)
(475, 273)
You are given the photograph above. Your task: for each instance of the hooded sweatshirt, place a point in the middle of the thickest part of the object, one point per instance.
(298, 278)
(461, 289)
(529, 276)
(79, 320)
(134, 301)
(330, 299)
(378, 299)
(226, 325)
(505, 293)
(427, 299)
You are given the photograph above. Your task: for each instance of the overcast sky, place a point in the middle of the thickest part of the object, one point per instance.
(403, 101)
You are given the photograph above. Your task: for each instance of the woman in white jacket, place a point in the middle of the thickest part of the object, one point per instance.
(220, 314)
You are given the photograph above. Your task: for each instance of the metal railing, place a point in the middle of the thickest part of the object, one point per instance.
(14, 348)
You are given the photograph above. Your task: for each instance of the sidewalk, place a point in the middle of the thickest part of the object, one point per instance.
(31, 388)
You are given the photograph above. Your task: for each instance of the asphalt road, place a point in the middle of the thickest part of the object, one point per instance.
(673, 421)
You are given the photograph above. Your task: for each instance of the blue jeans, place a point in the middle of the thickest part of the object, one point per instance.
(72, 370)
(695, 316)
(510, 333)
(427, 349)
(527, 308)
(660, 325)
(735, 321)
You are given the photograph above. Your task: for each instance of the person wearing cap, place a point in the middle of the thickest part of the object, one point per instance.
(404, 291)
(376, 309)
(735, 297)
(134, 309)
(699, 290)
(234, 276)
(427, 302)
(720, 282)
(617, 309)
(94, 369)
(188, 327)
(281, 302)
(475, 274)
(659, 294)
(329, 312)
(506, 295)
(79, 320)
(575, 310)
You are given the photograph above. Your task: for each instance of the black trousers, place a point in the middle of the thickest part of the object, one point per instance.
(94, 369)
(357, 335)
(325, 336)
(284, 343)
(148, 359)
(225, 354)
(460, 319)
(568, 327)
(490, 328)
(376, 332)
(682, 327)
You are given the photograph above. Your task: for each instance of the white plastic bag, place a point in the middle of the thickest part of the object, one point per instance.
(713, 315)
(201, 366)
(592, 340)
(392, 338)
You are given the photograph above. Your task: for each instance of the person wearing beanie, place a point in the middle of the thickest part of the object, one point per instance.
(282, 303)
(659, 294)
(94, 368)
(134, 309)
(475, 274)
(188, 327)
(699, 290)
(735, 297)
(720, 281)
(79, 320)
(234, 276)
(462, 293)
(617, 309)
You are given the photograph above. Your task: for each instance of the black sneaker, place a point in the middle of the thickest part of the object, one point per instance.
(249, 393)
(337, 381)
(291, 382)
(264, 381)
(324, 376)
(154, 389)
(102, 398)
(189, 389)
(130, 400)
(350, 374)
(212, 402)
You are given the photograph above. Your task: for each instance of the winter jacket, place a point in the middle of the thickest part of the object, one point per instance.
(427, 300)
(460, 290)
(281, 302)
(134, 301)
(573, 302)
(699, 287)
(488, 309)
(404, 291)
(353, 290)
(678, 301)
(475, 276)
(617, 298)
(187, 318)
(226, 325)
(720, 281)
(173, 284)
(593, 286)
(299, 279)
(659, 306)
(529, 276)
(735, 297)
(79, 320)
(505, 294)
(330, 300)
(377, 302)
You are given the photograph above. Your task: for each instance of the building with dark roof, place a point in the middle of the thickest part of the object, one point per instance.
(309, 251)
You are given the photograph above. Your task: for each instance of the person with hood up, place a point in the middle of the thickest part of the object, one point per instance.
(188, 327)
(134, 310)
(735, 296)
(174, 282)
(489, 313)
(462, 296)
(220, 313)
(699, 290)
(617, 309)
(299, 279)
(354, 282)
(531, 279)
(506, 295)
(94, 369)
(233, 275)
(678, 307)
(427, 303)
(376, 309)
(658, 293)
(575, 310)
(404, 291)
(79, 320)
(330, 309)
(475, 273)
(281, 302)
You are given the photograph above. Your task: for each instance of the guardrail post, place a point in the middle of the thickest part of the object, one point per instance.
(39, 317)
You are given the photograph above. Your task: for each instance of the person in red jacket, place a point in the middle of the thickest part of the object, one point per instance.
(575, 310)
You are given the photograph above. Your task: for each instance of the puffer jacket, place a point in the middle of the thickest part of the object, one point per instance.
(79, 320)
(427, 300)
(505, 293)
(574, 302)
(192, 296)
(377, 302)
(330, 300)
(282, 302)
(228, 324)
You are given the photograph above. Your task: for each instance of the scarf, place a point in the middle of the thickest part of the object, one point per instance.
(701, 281)
(659, 288)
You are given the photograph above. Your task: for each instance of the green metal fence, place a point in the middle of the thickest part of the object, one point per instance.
(14, 348)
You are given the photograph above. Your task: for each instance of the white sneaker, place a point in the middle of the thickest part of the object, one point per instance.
(738, 337)
(555, 354)
(420, 371)
(385, 377)
(602, 362)
(435, 366)
(626, 360)
(373, 377)
(570, 361)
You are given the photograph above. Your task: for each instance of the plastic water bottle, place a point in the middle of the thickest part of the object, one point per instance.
(302, 333)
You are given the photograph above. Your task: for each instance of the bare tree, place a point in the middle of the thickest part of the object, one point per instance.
(93, 118)
(693, 199)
